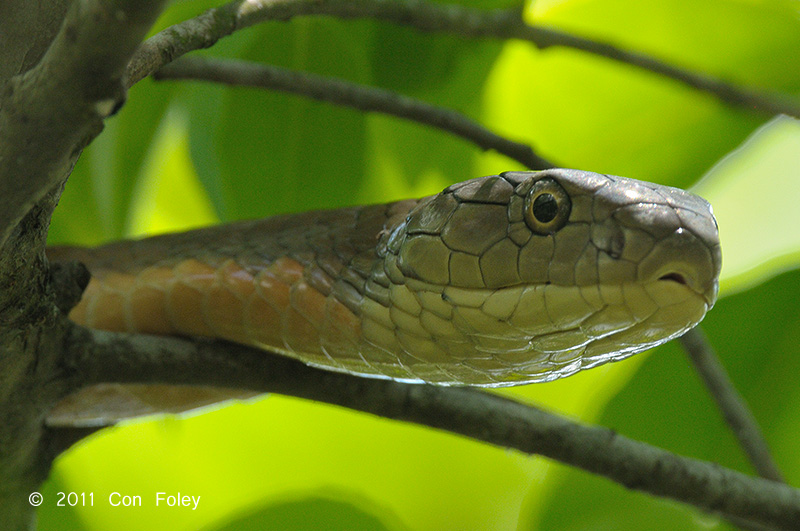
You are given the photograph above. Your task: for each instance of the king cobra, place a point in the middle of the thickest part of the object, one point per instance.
(496, 281)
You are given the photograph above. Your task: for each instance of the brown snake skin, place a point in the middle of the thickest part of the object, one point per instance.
(464, 287)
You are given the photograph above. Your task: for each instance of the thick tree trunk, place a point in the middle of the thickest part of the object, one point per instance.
(61, 73)
(30, 328)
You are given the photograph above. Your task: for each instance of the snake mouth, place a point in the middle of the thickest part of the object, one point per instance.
(675, 277)
(708, 292)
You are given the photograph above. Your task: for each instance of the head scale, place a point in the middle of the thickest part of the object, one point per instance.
(545, 273)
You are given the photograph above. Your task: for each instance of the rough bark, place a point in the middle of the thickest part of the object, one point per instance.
(61, 73)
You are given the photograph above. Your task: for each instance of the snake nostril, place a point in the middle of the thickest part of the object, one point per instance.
(675, 277)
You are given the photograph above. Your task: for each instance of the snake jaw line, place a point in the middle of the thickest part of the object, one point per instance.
(621, 234)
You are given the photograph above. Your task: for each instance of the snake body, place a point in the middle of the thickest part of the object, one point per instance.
(501, 280)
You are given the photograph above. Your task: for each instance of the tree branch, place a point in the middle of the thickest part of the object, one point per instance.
(204, 30)
(95, 357)
(341, 92)
(50, 112)
(730, 402)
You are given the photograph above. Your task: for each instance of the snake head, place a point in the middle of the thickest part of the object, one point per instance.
(542, 274)
(619, 231)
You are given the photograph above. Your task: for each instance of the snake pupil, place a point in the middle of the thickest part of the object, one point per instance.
(545, 208)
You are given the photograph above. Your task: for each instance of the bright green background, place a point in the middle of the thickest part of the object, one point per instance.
(182, 155)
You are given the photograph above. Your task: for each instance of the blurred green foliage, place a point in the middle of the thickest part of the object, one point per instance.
(186, 154)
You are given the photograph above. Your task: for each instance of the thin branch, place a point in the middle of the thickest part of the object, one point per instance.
(341, 92)
(730, 402)
(96, 357)
(49, 113)
(204, 30)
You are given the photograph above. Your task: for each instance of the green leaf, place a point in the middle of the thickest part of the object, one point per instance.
(754, 192)
(169, 196)
(309, 514)
(270, 153)
(95, 206)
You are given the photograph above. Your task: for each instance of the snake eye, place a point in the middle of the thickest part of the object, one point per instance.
(547, 207)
